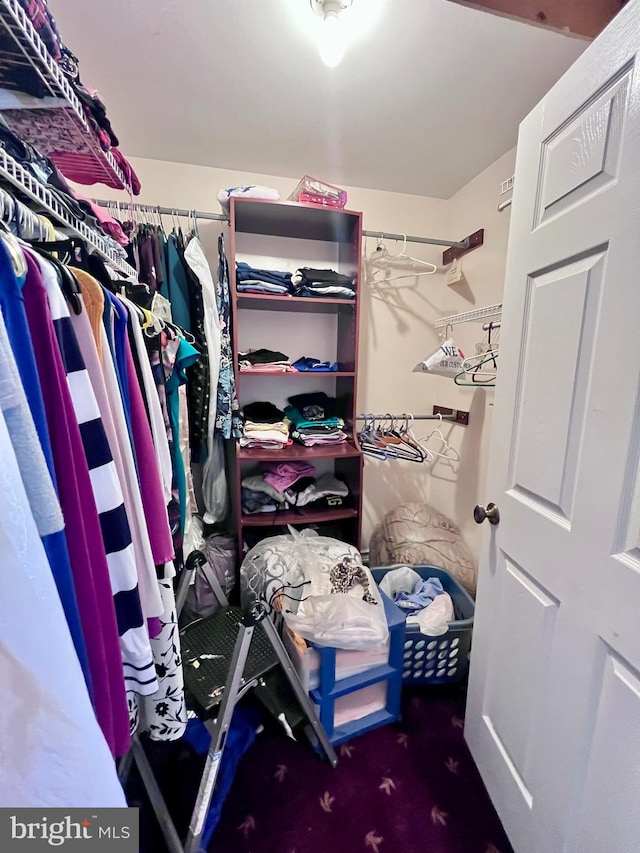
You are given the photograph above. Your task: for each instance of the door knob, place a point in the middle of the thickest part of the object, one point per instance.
(491, 513)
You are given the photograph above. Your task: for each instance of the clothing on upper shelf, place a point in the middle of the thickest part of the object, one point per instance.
(264, 360)
(250, 279)
(305, 282)
(266, 287)
(314, 365)
(315, 420)
(322, 282)
(264, 426)
(251, 191)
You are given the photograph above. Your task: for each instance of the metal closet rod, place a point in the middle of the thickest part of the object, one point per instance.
(408, 415)
(220, 217)
(166, 211)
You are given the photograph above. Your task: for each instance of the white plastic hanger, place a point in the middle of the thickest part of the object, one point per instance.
(446, 450)
(385, 261)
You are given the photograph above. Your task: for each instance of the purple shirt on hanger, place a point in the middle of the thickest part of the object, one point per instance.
(155, 508)
(86, 550)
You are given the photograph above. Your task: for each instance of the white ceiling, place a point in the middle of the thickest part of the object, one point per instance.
(428, 94)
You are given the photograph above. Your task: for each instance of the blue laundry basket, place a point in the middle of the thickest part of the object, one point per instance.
(443, 659)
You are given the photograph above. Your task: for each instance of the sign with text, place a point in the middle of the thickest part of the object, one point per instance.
(102, 830)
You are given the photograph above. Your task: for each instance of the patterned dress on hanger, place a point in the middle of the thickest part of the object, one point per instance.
(228, 421)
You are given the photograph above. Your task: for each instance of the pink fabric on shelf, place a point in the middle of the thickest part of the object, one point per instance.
(109, 224)
(127, 170)
(282, 475)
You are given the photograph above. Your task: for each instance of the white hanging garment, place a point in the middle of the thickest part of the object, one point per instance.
(214, 480)
(53, 752)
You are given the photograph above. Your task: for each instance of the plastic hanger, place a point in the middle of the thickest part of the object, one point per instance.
(69, 284)
(367, 442)
(472, 369)
(446, 450)
(385, 261)
(16, 256)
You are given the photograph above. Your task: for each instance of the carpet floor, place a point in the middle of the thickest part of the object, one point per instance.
(406, 788)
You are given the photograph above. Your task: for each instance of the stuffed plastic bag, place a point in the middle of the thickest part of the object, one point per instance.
(321, 587)
(445, 361)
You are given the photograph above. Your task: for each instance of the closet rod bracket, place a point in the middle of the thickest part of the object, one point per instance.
(471, 242)
(452, 415)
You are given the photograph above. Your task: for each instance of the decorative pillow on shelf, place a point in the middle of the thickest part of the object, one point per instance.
(417, 534)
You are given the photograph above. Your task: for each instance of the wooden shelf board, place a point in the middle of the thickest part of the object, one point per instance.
(316, 374)
(294, 219)
(297, 451)
(301, 304)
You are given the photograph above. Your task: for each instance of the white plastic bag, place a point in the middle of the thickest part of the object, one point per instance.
(295, 571)
(402, 579)
(434, 619)
(445, 361)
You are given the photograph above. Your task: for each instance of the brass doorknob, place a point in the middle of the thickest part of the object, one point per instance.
(491, 513)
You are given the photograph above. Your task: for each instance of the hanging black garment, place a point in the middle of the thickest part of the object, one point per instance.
(199, 376)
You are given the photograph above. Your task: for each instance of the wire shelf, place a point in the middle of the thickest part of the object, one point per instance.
(476, 316)
(23, 50)
(24, 185)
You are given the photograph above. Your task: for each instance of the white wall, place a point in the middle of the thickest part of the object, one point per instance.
(397, 327)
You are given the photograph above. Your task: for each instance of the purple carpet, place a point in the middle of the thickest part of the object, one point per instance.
(408, 788)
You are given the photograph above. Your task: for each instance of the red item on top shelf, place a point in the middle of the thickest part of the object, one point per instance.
(312, 191)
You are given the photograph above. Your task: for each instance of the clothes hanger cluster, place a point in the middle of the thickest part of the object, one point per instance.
(392, 437)
(385, 267)
(20, 220)
(480, 370)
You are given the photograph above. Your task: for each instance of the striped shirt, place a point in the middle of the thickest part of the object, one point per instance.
(139, 670)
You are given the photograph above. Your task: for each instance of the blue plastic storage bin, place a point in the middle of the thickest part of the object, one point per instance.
(443, 659)
(331, 689)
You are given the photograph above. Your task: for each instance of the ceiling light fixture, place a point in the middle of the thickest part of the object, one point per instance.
(331, 41)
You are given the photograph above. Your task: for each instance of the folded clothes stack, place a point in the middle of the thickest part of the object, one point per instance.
(252, 280)
(266, 361)
(305, 282)
(275, 487)
(326, 492)
(315, 419)
(323, 283)
(265, 426)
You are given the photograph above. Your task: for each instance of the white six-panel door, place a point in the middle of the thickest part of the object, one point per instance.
(553, 717)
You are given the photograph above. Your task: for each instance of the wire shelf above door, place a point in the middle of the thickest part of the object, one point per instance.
(24, 53)
(477, 316)
(25, 186)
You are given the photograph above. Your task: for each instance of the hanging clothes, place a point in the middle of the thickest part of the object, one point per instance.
(55, 544)
(139, 671)
(228, 420)
(54, 753)
(178, 355)
(178, 286)
(215, 492)
(86, 550)
(107, 491)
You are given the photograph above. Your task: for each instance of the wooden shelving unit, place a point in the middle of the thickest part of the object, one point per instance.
(291, 232)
